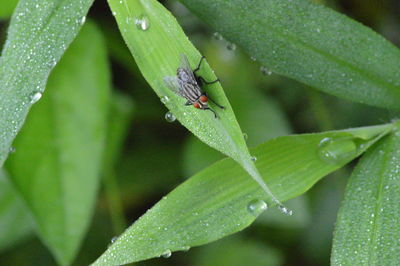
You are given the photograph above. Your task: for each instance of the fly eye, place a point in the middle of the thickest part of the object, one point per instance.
(203, 98)
(196, 105)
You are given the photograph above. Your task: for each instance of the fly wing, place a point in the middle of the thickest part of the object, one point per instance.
(173, 84)
(186, 65)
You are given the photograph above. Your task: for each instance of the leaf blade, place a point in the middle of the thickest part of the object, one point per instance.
(29, 54)
(312, 44)
(157, 42)
(368, 224)
(215, 202)
(56, 166)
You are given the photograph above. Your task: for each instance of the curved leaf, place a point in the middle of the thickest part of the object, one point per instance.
(39, 33)
(312, 44)
(58, 158)
(368, 225)
(222, 200)
(157, 42)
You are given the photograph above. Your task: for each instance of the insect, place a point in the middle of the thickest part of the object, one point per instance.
(189, 85)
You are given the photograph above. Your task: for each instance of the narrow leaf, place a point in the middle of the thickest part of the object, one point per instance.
(222, 200)
(39, 33)
(157, 43)
(56, 166)
(368, 225)
(312, 44)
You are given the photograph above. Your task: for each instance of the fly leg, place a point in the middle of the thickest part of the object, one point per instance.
(215, 114)
(220, 106)
(201, 81)
(198, 67)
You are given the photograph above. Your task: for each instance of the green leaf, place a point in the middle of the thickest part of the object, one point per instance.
(120, 116)
(235, 251)
(312, 44)
(56, 166)
(157, 42)
(39, 33)
(368, 225)
(222, 200)
(15, 221)
(7, 7)
(260, 117)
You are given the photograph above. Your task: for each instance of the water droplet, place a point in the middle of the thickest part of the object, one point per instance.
(285, 210)
(253, 58)
(185, 248)
(83, 20)
(165, 99)
(142, 22)
(265, 71)
(253, 158)
(166, 254)
(337, 151)
(256, 207)
(114, 13)
(217, 36)
(115, 238)
(245, 136)
(231, 46)
(170, 117)
(35, 96)
(12, 149)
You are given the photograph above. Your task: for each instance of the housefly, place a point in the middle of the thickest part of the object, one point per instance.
(189, 85)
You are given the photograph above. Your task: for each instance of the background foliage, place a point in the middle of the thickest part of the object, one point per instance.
(100, 122)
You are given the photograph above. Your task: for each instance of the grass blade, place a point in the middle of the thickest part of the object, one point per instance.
(368, 225)
(39, 33)
(58, 158)
(222, 200)
(312, 44)
(157, 42)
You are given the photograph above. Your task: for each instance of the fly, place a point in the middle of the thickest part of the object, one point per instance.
(189, 85)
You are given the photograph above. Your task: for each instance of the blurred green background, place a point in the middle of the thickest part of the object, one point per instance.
(158, 155)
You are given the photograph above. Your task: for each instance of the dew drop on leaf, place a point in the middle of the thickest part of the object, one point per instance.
(253, 158)
(83, 20)
(336, 151)
(142, 23)
(185, 248)
(231, 46)
(217, 36)
(35, 96)
(265, 71)
(170, 117)
(165, 99)
(166, 254)
(245, 136)
(285, 210)
(12, 149)
(256, 207)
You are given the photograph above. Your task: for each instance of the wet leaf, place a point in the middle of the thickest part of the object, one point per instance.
(222, 200)
(312, 44)
(58, 158)
(40, 31)
(368, 224)
(157, 42)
